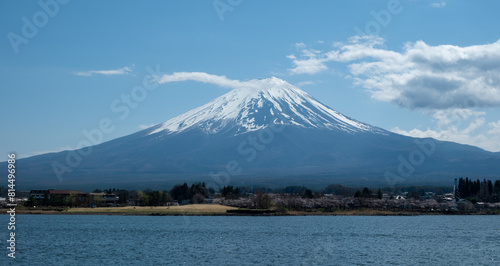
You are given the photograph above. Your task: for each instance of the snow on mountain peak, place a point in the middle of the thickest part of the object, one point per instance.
(257, 104)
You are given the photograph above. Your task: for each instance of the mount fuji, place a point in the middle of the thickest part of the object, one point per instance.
(264, 133)
(267, 102)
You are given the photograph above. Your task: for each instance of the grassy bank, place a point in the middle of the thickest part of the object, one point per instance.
(193, 209)
(213, 209)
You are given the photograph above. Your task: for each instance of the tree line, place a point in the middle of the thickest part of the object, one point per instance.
(478, 190)
(196, 193)
(473, 190)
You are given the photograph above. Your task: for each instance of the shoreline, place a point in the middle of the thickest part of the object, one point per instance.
(221, 210)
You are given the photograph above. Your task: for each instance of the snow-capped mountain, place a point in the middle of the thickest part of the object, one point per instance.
(229, 141)
(268, 101)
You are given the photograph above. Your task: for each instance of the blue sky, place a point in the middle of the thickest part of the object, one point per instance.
(421, 68)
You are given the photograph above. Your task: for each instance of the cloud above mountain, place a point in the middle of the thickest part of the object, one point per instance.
(448, 83)
(421, 76)
(221, 81)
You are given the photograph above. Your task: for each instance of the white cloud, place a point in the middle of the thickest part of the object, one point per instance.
(462, 126)
(495, 130)
(422, 76)
(120, 71)
(448, 83)
(453, 116)
(300, 45)
(312, 65)
(438, 4)
(221, 81)
(200, 77)
(487, 142)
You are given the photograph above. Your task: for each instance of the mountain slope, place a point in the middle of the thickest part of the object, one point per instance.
(270, 134)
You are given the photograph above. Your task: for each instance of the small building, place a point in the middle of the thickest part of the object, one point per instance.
(54, 193)
(66, 193)
(61, 197)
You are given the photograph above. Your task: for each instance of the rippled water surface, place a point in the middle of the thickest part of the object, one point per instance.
(310, 240)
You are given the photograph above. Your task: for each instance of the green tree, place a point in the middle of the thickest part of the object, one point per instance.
(98, 200)
(366, 193)
(414, 195)
(230, 192)
(165, 197)
(336, 189)
(123, 196)
(154, 198)
(263, 201)
(181, 192)
(308, 194)
(143, 198)
(72, 199)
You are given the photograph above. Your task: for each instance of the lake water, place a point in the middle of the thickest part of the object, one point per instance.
(310, 240)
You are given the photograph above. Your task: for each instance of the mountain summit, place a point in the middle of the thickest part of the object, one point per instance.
(268, 101)
(234, 140)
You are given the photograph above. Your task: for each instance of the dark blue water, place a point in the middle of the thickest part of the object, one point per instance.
(311, 240)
